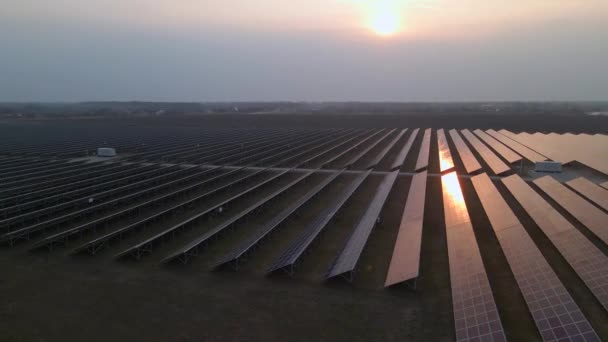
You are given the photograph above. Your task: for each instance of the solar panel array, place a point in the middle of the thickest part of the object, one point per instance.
(380, 156)
(349, 256)
(293, 253)
(555, 313)
(502, 150)
(590, 150)
(471, 164)
(352, 147)
(191, 248)
(247, 245)
(496, 165)
(182, 192)
(525, 151)
(586, 259)
(593, 218)
(591, 191)
(475, 312)
(400, 158)
(366, 150)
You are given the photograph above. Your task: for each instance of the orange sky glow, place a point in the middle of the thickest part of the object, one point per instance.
(380, 18)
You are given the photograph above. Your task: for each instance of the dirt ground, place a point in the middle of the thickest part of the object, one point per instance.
(56, 297)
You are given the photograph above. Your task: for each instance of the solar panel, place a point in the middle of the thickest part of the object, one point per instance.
(468, 159)
(163, 172)
(400, 159)
(445, 156)
(83, 206)
(528, 153)
(349, 256)
(425, 147)
(248, 156)
(586, 259)
(378, 158)
(555, 313)
(586, 149)
(25, 188)
(360, 155)
(29, 166)
(190, 249)
(109, 175)
(592, 217)
(268, 227)
(332, 147)
(138, 249)
(591, 191)
(475, 314)
(20, 181)
(93, 245)
(72, 194)
(103, 240)
(292, 254)
(497, 165)
(521, 138)
(405, 262)
(551, 145)
(352, 147)
(59, 168)
(231, 148)
(506, 153)
(271, 160)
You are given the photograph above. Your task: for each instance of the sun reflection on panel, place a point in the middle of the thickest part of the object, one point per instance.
(451, 185)
(445, 160)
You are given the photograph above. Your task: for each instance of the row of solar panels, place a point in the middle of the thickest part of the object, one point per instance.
(80, 175)
(365, 228)
(207, 144)
(28, 204)
(13, 235)
(553, 310)
(87, 178)
(24, 177)
(54, 170)
(50, 206)
(365, 225)
(43, 190)
(33, 170)
(211, 145)
(125, 141)
(194, 145)
(590, 150)
(474, 308)
(22, 219)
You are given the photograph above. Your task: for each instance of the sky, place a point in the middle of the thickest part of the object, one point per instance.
(303, 50)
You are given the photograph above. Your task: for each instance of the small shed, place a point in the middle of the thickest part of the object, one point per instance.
(548, 166)
(106, 152)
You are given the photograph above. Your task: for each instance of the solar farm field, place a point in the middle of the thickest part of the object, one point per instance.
(352, 233)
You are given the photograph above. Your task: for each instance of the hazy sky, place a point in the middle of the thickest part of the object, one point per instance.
(332, 50)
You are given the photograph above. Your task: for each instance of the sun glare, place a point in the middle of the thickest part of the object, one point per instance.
(383, 17)
(451, 186)
(385, 23)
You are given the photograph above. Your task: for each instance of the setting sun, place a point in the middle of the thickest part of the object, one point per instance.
(383, 17)
(385, 23)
